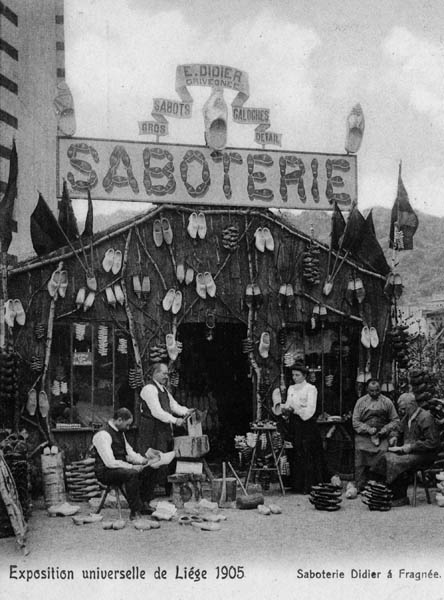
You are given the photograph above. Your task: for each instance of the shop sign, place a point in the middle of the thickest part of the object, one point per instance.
(153, 128)
(185, 174)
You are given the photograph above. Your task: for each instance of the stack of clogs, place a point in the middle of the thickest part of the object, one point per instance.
(135, 378)
(158, 353)
(81, 481)
(422, 385)
(8, 377)
(310, 260)
(326, 496)
(400, 345)
(230, 238)
(377, 496)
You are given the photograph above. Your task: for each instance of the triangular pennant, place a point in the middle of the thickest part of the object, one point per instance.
(89, 221)
(403, 222)
(351, 238)
(45, 230)
(67, 218)
(337, 227)
(369, 251)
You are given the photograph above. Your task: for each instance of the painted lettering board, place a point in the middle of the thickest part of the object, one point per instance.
(188, 174)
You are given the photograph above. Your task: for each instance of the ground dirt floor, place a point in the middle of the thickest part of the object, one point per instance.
(302, 553)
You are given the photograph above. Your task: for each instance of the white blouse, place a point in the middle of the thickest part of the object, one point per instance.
(301, 397)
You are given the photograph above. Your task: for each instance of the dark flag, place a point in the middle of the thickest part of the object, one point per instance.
(351, 238)
(405, 219)
(67, 218)
(337, 227)
(88, 231)
(45, 230)
(369, 251)
(7, 223)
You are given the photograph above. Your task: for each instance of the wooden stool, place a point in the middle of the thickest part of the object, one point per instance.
(106, 491)
(424, 482)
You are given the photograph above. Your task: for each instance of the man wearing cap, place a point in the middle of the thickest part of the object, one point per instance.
(413, 445)
(374, 418)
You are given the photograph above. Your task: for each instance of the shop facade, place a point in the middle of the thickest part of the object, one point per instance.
(227, 297)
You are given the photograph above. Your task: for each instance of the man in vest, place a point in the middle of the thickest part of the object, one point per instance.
(159, 412)
(118, 464)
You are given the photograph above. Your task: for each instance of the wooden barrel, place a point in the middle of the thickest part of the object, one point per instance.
(53, 480)
(216, 489)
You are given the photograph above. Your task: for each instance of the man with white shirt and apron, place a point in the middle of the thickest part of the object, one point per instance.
(159, 412)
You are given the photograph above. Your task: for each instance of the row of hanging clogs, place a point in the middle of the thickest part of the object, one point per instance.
(102, 340)
(36, 363)
(174, 348)
(14, 313)
(230, 238)
(286, 295)
(112, 261)
(310, 268)
(393, 286)
(205, 285)
(135, 377)
(43, 403)
(58, 283)
(122, 346)
(9, 376)
(114, 295)
(355, 289)
(263, 239)
(85, 299)
(197, 225)
(158, 353)
(39, 331)
(162, 232)
(184, 275)
(369, 337)
(172, 301)
(59, 387)
(399, 338)
(141, 286)
(423, 385)
(253, 296)
(79, 331)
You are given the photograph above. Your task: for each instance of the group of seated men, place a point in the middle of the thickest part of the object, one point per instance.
(391, 444)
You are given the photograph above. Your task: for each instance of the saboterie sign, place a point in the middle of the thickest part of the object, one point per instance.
(185, 174)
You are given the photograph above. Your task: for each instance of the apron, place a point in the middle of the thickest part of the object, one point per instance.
(152, 432)
(368, 451)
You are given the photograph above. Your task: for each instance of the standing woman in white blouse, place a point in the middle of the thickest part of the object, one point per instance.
(307, 462)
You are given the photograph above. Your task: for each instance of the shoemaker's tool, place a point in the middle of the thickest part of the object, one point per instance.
(223, 495)
(238, 479)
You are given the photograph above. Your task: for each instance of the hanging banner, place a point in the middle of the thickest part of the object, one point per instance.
(185, 174)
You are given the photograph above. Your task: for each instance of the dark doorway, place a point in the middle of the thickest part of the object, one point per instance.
(214, 377)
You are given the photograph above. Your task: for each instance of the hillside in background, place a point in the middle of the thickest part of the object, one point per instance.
(422, 269)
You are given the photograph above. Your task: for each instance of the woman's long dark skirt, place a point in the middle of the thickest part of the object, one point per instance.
(307, 461)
